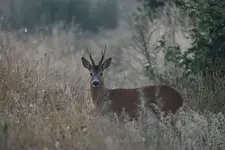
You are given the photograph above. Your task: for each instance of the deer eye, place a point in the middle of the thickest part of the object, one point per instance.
(100, 74)
(91, 74)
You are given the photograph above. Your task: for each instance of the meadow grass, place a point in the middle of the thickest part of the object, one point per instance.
(45, 104)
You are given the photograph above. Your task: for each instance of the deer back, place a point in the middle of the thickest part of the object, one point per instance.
(164, 96)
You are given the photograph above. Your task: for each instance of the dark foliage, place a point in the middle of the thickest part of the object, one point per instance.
(32, 14)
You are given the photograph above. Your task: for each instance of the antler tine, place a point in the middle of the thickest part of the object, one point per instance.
(103, 56)
(90, 56)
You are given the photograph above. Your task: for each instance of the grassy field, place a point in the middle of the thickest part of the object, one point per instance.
(45, 102)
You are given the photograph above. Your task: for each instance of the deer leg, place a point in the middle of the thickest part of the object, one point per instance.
(173, 125)
(175, 128)
(156, 110)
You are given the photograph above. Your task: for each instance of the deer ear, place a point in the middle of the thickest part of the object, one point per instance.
(86, 63)
(106, 63)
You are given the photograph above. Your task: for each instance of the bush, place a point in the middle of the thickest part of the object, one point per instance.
(207, 52)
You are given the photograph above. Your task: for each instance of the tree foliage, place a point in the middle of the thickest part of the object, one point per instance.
(207, 52)
(208, 34)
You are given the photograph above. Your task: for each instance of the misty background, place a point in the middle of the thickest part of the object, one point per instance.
(89, 23)
(93, 23)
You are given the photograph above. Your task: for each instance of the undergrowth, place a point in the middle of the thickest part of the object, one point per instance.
(45, 104)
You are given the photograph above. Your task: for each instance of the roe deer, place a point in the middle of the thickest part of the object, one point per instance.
(129, 99)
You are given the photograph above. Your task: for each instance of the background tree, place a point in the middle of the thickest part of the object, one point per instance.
(206, 56)
(32, 14)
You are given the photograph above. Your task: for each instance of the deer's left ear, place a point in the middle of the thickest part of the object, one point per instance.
(106, 63)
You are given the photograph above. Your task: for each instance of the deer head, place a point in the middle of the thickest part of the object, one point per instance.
(96, 71)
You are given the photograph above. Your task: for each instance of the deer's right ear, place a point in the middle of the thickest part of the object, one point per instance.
(86, 63)
(106, 63)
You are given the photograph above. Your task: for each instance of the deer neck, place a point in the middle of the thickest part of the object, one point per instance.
(98, 93)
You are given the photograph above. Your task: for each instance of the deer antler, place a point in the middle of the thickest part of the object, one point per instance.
(103, 55)
(91, 59)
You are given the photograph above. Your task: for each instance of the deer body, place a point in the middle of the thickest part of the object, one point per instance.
(165, 97)
(168, 99)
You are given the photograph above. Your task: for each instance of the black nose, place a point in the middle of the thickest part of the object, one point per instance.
(95, 83)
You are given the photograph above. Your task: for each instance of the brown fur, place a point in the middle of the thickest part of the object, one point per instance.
(169, 100)
(129, 100)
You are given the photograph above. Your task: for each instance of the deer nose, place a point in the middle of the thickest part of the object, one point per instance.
(95, 83)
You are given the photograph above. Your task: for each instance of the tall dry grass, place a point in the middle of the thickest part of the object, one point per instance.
(45, 103)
